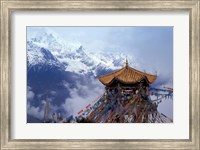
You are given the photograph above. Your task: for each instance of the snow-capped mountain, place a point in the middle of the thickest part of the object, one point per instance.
(41, 57)
(48, 48)
(60, 69)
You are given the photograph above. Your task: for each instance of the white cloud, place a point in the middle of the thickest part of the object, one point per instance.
(35, 111)
(30, 95)
(82, 96)
(53, 92)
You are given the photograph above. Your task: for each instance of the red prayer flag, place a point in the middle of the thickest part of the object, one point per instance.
(88, 106)
(80, 112)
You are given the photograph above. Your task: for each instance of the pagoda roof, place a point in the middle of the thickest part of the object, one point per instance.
(127, 75)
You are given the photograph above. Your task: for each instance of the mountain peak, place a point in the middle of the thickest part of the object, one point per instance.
(48, 46)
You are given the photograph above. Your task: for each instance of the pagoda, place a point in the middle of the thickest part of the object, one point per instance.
(127, 77)
(126, 99)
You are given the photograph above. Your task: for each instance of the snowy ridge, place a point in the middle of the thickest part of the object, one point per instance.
(71, 55)
(40, 56)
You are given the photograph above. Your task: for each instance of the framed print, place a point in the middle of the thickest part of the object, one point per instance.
(127, 92)
(100, 74)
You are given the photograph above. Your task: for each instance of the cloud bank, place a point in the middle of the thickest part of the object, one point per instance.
(82, 95)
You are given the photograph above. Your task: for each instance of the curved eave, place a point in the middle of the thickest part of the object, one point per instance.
(102, 82)
(109, 77)
(151, 79)
(131, 76)
(112, 73)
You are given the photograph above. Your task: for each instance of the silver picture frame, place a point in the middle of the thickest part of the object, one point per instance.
(9, 7)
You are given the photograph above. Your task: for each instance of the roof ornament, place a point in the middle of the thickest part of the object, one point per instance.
(126, 63)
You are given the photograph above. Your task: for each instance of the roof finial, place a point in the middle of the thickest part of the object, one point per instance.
(126, 62)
